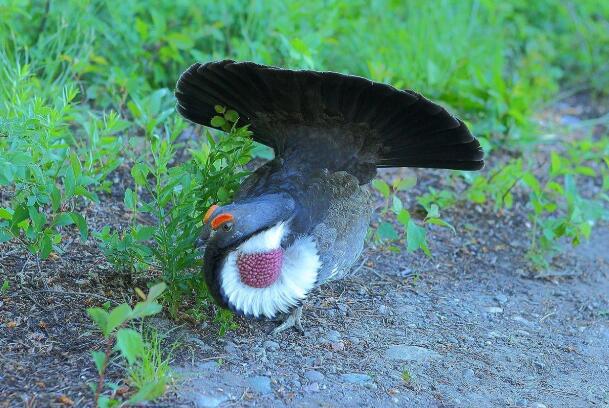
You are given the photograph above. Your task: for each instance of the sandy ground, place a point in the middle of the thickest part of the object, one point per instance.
(478, 332)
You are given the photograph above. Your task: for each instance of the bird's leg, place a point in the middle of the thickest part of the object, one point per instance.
(293, 320)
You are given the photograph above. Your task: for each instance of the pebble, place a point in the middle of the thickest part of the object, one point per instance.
(494, 309)
(271, 345)
(383, 309)
(333, 336)
(314, 376)
(209, 401)
(539, 405)
(313, 387)
(501, 298)
(356, 378)
(410, 353)
(521, 319)
(231, 348)
(261, 384)
(522, 402)
(338, 346)
(208, 366)
(468, 372)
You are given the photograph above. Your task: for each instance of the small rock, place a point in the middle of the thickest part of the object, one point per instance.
(314, 376)
(333, 336)
(521, 319)
(271, 345)
(494, 309)
(468, 372)
(231, 348)
(410, 353)
(208, 366)
(209, 401)
(261, 384)
(522, 402)
(501, 298)
(313, 387)
(383, 309)
(338, 346)
(539, 405)
(356, 378)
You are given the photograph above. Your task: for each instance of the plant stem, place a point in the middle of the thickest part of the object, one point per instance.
(102, 372)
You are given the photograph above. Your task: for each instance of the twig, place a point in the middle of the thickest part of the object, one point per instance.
(102, 371)
(56, 292)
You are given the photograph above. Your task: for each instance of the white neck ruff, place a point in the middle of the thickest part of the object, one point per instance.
(299, 270)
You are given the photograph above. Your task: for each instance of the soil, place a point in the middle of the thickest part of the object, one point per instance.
(473, 326)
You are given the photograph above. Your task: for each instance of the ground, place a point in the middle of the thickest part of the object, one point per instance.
(473, 326)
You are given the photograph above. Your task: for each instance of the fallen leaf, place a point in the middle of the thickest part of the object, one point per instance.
(65, 400)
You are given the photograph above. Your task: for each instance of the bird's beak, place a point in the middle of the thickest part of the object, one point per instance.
(202, 240)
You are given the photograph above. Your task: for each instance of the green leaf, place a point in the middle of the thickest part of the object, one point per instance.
(140, 172)
(586, 171)
(382, 187)
(219, 109)
(441, 223)
(405, 183)
(81, 223)
(130, 343)
(386, 231)
(4, 235)
(130, 200)
(100, 317)
(6, 214)
(231, 116)
(55, 198)
(145, 309)
(144, 233)
(99, 357)
(403, 217)
(62, 220)
(156, 291)
(69, 183)
(218, 121)
(149, 391)
(416, 238)
(118, 316)
(477, 197)
(397, 205)
(434, 211)
(46, 246)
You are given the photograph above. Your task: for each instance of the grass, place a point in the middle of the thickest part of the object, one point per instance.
(86, 91)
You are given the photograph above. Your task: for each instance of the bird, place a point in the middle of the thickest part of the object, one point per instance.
(300, 220)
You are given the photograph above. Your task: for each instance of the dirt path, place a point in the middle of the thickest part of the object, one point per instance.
(474, 330)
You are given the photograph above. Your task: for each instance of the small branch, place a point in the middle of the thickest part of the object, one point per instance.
(102, 372)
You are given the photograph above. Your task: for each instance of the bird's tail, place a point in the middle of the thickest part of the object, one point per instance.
(339, 121)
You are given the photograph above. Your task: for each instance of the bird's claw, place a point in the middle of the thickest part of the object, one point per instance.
(293, 320)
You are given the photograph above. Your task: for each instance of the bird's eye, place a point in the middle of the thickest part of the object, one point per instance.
(227, 226)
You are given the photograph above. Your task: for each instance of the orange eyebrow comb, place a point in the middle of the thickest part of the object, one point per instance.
(208, 213)
(221, 219)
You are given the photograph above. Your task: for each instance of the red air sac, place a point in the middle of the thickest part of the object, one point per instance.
(260, 270)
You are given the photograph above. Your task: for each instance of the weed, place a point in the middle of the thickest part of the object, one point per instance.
(406, 376)
(416, 237)
(148, 366)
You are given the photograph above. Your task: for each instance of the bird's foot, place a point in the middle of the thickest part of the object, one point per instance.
(293, 320)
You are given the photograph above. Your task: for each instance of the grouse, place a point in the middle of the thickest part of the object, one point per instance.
(300, 220)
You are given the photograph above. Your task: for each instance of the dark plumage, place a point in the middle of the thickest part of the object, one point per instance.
(329, 132)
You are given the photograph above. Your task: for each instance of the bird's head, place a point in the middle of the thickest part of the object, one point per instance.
(252, 264)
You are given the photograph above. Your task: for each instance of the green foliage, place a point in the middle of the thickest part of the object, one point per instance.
(556, 208)
(175, 194)
(147, 368)
(416, 235)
